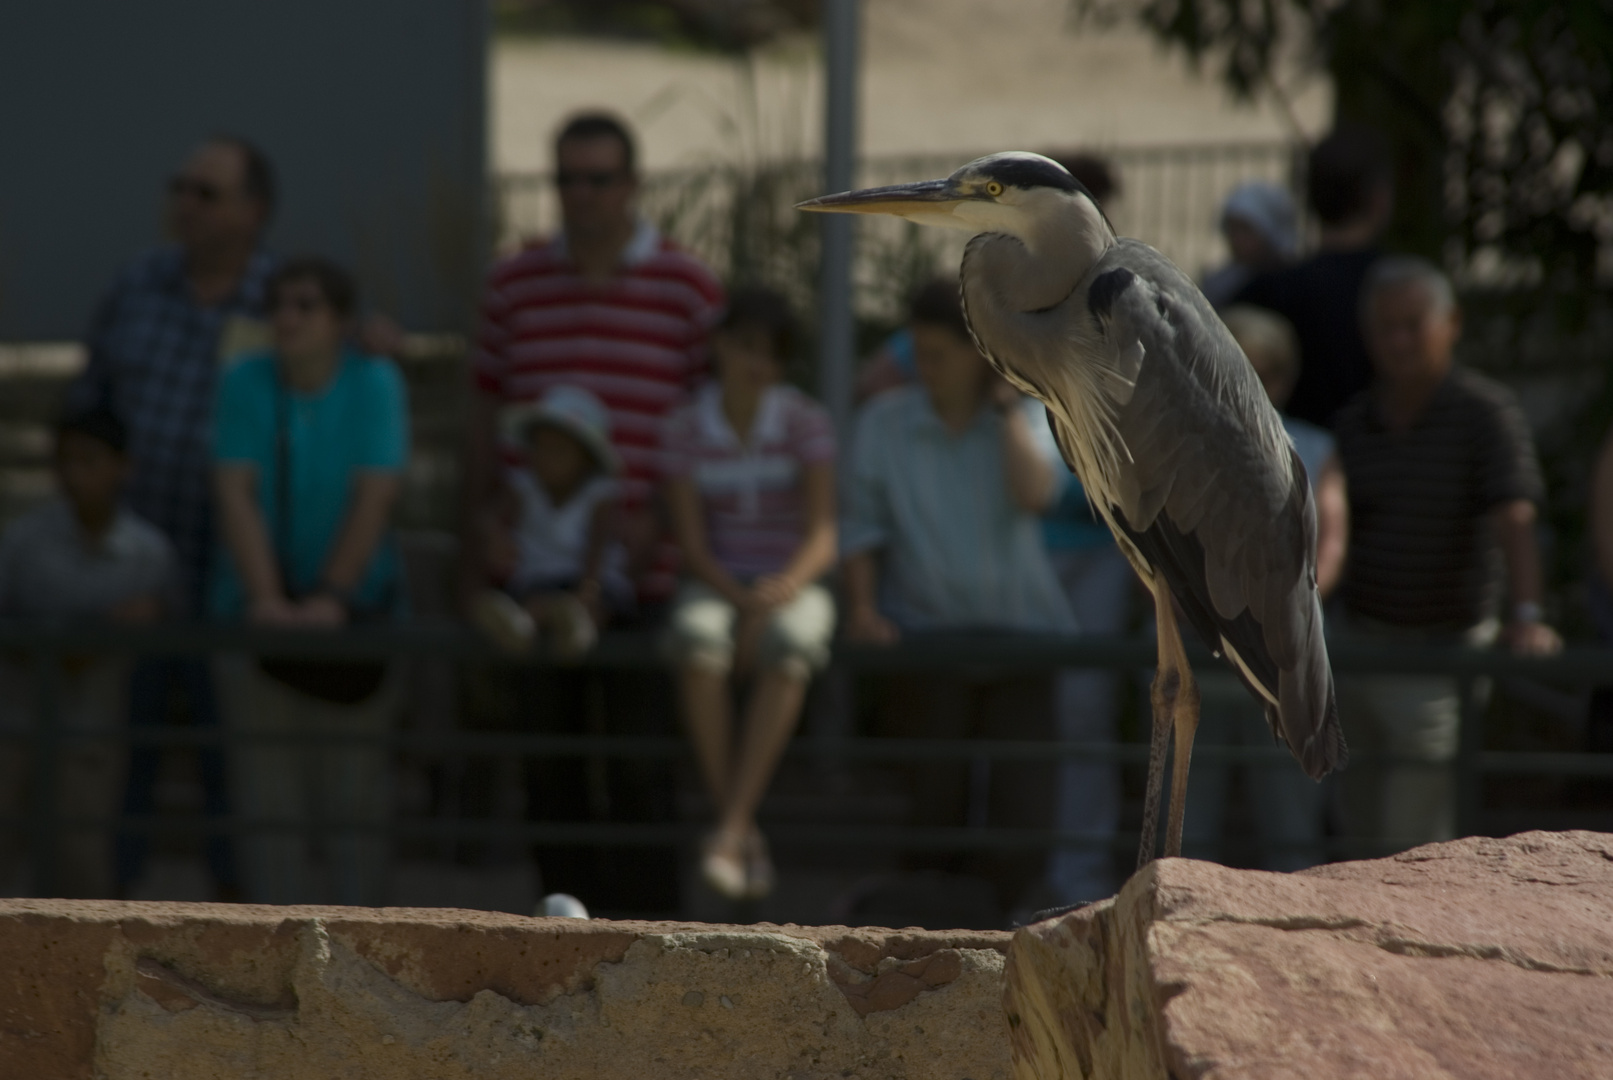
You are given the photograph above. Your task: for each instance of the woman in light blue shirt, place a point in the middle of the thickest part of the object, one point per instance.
(309, 447)
(940, 531)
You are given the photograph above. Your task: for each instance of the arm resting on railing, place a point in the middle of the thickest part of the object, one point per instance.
(1515, 529)
(816, 553)
(1029, 476)
(1332, 526)
(375, 492)
(247, 537)
(864, 623)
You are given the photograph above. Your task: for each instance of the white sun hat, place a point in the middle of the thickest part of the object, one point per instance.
(1270, 209)
(571, 409)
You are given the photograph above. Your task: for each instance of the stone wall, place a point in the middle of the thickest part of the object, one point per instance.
(179, 991)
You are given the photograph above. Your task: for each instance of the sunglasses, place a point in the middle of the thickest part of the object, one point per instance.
(182, 187)
(599, 181)
(302, 305)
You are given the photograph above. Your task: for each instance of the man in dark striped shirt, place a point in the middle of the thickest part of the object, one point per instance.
(1444, 486)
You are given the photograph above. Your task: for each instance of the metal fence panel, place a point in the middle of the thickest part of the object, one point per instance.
(45, 645)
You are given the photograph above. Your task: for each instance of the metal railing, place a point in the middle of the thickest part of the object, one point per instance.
(44, 646)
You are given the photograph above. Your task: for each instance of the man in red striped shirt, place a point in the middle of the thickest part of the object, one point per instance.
(609, 305)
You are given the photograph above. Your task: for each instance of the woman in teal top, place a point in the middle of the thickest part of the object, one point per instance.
(311, 548)
(310, 441)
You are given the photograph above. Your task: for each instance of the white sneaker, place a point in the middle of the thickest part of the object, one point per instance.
(559, 905)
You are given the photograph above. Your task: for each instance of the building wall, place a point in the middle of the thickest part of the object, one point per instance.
(373, 111)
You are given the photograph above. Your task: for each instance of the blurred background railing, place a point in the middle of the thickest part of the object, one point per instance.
(855, 832)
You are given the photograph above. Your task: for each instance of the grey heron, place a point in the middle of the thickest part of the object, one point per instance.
(1158, 413)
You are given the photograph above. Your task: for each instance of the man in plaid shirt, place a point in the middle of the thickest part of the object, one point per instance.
(155, 346)
(156, 339)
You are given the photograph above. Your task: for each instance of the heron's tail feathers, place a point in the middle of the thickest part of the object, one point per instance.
(1307, 719)
(1325, 751)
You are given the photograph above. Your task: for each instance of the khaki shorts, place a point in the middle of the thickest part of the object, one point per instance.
(701, 630)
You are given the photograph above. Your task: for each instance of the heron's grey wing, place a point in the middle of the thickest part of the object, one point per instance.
(1214, 496)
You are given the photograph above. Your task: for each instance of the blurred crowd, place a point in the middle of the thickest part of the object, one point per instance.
(640, 458)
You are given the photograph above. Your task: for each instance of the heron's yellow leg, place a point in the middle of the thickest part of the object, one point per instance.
(1162, 697)
(1184, 722)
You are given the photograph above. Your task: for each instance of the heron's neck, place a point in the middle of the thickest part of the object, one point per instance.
(1044, 263)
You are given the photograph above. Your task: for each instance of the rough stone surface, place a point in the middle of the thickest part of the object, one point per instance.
(1474, 959)
(125, 990)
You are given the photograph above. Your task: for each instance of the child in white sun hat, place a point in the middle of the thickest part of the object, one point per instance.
(553, 538)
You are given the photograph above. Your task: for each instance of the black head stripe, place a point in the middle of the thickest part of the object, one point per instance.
(1029, 172)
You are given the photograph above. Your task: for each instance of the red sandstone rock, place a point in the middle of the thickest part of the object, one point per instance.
(1473, 959)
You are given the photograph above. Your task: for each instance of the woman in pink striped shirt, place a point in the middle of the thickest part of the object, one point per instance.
(755, 516)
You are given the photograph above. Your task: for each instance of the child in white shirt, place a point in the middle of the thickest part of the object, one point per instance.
(554, 541)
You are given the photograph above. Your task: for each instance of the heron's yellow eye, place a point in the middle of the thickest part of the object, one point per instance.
(993, 188)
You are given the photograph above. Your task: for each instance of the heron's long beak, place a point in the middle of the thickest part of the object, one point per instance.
(928, 197)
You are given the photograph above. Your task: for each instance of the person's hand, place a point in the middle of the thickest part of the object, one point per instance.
(273, 611)
(866, 626)
(380, 335)
(322, 610)
(1531, 639)
(1004, 394)
(592, 598)
(774, 590)
(136, 609)
(639, 531)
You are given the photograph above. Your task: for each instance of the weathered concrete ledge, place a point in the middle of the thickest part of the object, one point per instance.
(1474, 959)
(176, 991)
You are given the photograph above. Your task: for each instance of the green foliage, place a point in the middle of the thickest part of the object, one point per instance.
(729, 26)
(1500, 112)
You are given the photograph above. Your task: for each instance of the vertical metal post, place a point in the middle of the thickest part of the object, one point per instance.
(839, 340)
(1469, 747)
(44, 832)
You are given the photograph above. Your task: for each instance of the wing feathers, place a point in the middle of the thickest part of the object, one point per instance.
(1215, 497)
(1158, 412)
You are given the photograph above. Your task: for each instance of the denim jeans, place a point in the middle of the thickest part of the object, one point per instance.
(89, 774)
(153, 687)
(1099, 584)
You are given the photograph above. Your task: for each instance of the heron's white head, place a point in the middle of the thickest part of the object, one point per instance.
(1027, 196)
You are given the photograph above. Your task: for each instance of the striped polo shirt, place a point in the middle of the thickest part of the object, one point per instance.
(750, 489)
(637, 340)
(958, 552)
(1423, 551)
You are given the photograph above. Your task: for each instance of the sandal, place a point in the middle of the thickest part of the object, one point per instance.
(723, 869)
(759, 876)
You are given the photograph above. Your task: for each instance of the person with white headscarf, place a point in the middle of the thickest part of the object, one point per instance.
(1262, 233)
